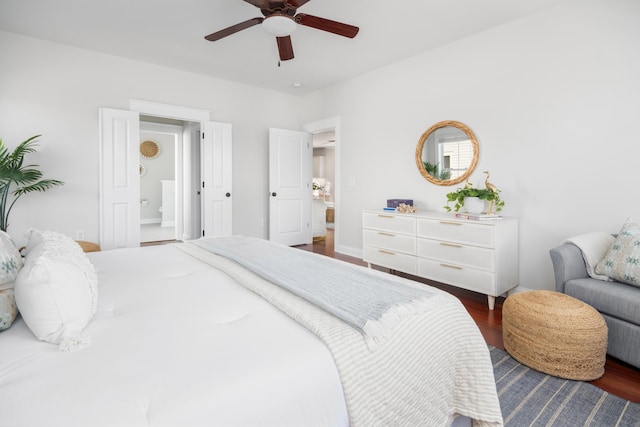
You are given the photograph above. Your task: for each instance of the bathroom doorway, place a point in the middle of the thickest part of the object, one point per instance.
(160, 139)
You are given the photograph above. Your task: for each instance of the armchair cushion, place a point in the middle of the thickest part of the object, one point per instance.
(613, 298)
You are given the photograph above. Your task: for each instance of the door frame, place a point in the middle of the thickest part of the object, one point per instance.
(186, 114)
(332, 123)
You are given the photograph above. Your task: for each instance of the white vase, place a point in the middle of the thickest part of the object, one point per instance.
(473, 205)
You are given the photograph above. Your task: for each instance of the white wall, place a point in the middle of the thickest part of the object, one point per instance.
(56, 91)
(554, 100)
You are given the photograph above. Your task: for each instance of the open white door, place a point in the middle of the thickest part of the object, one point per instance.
(290, 170)
(215, 152)
(119, 179)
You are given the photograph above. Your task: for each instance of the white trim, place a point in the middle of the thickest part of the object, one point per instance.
(150, 221)
(170, 111)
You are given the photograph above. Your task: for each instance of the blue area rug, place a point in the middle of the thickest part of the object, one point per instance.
(531, 398)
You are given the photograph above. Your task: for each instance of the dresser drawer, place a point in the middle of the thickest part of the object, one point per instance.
(457, 231)
(455, 253)
(389, 222)
(391, 241)
(456, 275)
(389, 259)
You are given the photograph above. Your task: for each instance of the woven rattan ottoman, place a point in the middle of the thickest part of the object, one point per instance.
(555, 333)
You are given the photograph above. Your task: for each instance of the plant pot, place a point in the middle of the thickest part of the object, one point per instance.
(473, 205)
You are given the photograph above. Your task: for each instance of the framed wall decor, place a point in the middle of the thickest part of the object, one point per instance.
(149, 149)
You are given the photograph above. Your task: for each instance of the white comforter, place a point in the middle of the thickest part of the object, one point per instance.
(434, 365)
(175, 342)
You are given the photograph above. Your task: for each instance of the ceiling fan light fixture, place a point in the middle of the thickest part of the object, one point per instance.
(279, 25)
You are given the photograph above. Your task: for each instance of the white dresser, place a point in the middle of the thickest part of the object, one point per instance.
(480, 256)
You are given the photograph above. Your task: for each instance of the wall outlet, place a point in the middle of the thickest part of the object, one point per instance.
(264, 222)
(80, 235)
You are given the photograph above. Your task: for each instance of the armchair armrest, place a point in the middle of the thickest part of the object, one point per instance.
(568, 264)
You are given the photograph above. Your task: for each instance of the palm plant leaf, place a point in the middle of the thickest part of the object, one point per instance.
(25, 179)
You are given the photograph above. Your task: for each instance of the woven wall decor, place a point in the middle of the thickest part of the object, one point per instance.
(149, 149)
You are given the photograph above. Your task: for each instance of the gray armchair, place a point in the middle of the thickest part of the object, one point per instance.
(618, 303)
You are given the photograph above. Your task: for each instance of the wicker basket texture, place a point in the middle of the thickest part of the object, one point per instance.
(556, 334)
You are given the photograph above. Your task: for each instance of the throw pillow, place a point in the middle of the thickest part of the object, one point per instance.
(56, 290)
(594, 247)
(10, 261)
(8, 309)
(10, 264)
(622, 261)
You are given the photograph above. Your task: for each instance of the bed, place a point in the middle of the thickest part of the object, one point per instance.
(182, 335)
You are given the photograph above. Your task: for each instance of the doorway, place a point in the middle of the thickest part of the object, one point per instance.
(323, 211)
(161, 140)
(326, 143)
(120, 173)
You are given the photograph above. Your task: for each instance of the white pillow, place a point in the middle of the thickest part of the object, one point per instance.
(56, 290)
(10, 264)
(594, 247)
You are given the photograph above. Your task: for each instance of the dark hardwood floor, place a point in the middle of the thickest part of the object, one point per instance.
(619, 378)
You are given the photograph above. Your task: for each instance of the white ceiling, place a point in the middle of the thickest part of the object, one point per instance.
(171, 33)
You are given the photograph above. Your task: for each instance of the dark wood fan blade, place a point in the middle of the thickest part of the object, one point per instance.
(328, 25)
(233, 29)
(285, 48)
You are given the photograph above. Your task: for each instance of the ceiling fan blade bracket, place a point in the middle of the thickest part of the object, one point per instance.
(285, 48)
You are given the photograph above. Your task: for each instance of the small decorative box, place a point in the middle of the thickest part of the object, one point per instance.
(394, 203)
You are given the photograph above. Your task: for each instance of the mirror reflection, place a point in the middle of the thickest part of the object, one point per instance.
(447, 153)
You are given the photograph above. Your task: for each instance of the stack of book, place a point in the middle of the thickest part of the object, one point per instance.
(478, 217)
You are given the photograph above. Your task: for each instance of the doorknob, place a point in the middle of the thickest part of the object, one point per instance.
(228, 194)
(274, 194)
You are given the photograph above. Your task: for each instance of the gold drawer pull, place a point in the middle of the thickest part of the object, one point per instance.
(386, 252)
(386, 216)
(452, 245)
(382, 233)
(451, 266)
(450, 223)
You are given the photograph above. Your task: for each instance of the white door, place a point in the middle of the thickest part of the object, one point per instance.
(119, 179)
(215, 152)
(290, 170)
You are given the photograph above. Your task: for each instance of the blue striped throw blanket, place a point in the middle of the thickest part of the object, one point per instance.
(369, 300)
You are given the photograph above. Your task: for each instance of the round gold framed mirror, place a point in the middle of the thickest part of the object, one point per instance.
(447, 153)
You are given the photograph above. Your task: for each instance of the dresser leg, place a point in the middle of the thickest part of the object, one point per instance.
(369, 264)
(492, 301)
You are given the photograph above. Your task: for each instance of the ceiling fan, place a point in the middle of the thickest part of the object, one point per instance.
(280, 19)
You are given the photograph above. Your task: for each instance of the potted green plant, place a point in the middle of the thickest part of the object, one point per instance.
(17, 179)
(433, 170)
(484, 194)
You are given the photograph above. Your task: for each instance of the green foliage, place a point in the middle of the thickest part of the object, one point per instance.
(469, 191)
(25, 178)
(432, 169)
